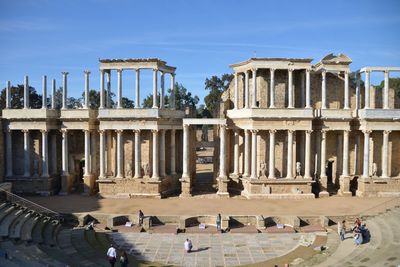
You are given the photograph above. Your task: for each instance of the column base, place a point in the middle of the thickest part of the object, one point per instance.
(89, 184)
(223, 187)
(323, 194)
(344, 182)
(66, 184)
(186, 187)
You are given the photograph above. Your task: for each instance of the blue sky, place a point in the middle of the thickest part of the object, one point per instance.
(200, 38)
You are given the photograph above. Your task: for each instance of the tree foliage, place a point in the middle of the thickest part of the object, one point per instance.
(216, 86)
(17, 97)
(393, 83)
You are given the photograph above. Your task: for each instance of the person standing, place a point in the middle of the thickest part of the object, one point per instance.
(123, 260)
(112, 255)
(141, 217)
(218, 222)
(188, 245)
(342, 229)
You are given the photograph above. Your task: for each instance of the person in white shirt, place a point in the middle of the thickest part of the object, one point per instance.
(188, 245)
(112, 255)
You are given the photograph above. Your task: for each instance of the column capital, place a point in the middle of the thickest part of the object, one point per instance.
(366, 131)
(87, 72)
(65, 73)
(272, 131)
(136, 130)
(324, 131)
(102, 71)
(25, 131)
(386, 72)
(155, 131)
(119, 131)
(346, 71)
(223, 126)
(346, 131)
(387, 131)
(119, 70)
(291, 131)
(86, 130)
(185, 126)
(254, 69)
(173, 130)
(172, 74)
(155, 70)
(272, 70)
(367, 71)
(309, 131)
(44, 131)
(63, 130)
(308, 70)
(101, 131)
(290, 70)
(254, 131)
(323, 72)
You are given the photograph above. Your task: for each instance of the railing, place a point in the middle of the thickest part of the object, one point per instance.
(13, 198)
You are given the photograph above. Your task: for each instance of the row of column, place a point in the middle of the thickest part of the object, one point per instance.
(367, 83)
(159, 157)
(27, 154)
(250, 161)
(290, 89)
(105, 100)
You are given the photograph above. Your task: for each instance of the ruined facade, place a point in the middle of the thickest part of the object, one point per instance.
(287, 129)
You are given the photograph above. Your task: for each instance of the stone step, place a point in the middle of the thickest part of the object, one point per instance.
(83, 248)
(48, 233)
(8, 220)
(37, 231)
(99, 248)
(7, 210)
(65, 244)
(16, 226)
(3, 205)
(26, 230)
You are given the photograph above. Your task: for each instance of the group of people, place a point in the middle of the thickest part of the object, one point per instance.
(112, 257)
(360, 231)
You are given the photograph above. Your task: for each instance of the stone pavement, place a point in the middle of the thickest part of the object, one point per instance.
(210, 250)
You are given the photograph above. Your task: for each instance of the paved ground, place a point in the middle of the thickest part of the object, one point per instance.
(210, 250)
(205, 206)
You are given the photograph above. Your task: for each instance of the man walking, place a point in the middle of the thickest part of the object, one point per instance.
(112, 255)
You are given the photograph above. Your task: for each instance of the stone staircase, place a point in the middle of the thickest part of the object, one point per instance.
(382, 249)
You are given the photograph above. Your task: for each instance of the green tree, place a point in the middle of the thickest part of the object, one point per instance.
(393, 83)
(17, 97)
(127, 103)
(216, 87)
(203, 112)
(183, 98)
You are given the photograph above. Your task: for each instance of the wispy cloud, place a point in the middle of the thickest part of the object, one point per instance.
(26, 24)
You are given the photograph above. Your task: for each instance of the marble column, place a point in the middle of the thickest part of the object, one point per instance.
(102, 174)
(162, 153)
(323, 154)
(386, 90)
(44, 92)
(87, 153)
(119, 86)
(54, 153)
(137, 101)
(246, 90)
(222, 152)
(53, 94)
(385, 156)
(65, 90)
(308, 89)
(272, 89)
(138, 154)
(120, 156)
(254, 102)
(156, 174)
(345, 171)
(155, 88)
(185, 167)
(366, 154)
(289, 171)
(173, 152)
(254, 154)
(236, 103)
(26, 92)
(290, 88)
(108, 95)
(27, 153)
(236, 154)
(323, 86)
(172, 91)
(86, 104)
(307, 158)
(358, 105)
(45, 154)
(8, 94)
(346, 90)
(272, 154)
(162, 89)
(64, 165)
(102, 93)
(9, 158)
(367, 85)
(246, 172)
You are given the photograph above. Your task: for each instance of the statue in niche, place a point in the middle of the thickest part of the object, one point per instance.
(146, 169)
(298, 168)
(263, 170)
(374, 169)
(128, 172)
(35, 167)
